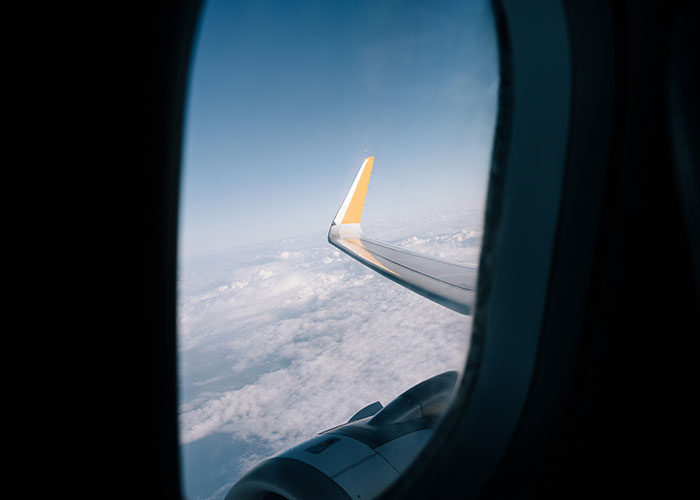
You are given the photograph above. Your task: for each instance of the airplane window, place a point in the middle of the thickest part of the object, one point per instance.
(335, 164)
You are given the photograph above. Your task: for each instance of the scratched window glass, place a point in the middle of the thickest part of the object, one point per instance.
(335, 167)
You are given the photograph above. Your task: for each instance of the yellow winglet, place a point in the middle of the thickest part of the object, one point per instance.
(351, 210)
(357, 203)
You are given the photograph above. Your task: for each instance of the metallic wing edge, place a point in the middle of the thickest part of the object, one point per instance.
(446, 283)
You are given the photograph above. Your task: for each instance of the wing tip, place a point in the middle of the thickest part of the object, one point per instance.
(350, 211)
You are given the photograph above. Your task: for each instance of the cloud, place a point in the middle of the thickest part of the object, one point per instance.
(296, 342)
(264, 274)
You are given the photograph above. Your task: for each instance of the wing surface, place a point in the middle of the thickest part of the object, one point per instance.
(446, 283)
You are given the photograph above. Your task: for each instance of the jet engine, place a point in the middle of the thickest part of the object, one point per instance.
(358, 459)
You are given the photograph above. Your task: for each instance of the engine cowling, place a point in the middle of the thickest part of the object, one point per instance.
(356, 460)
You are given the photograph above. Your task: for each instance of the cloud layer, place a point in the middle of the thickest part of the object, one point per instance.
(283, 342)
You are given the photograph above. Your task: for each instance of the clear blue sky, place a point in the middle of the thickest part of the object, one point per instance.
(286, 98)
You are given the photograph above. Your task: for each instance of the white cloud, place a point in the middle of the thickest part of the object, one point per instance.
(296, 343)
(264, 274)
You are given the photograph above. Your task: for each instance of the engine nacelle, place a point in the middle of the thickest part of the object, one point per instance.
(356, 460)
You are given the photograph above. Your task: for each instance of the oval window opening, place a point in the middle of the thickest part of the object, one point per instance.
(336, 160)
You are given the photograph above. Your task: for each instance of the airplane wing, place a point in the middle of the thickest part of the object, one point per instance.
(448, 284)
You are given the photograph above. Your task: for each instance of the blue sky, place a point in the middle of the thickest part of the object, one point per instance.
(285, 99)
